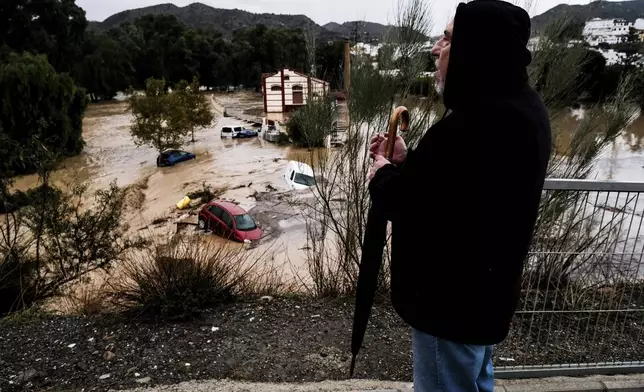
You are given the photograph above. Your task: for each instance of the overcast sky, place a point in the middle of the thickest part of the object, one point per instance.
(321, 11)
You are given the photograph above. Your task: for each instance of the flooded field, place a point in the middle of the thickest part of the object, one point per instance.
(248, 170)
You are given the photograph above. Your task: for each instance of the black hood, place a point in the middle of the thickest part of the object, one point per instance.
(488, 57)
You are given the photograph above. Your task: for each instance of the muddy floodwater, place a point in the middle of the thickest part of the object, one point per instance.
(247, 168)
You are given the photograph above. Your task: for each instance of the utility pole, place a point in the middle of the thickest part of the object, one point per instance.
(347, 67)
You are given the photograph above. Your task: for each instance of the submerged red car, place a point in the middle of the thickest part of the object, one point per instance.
(229, 221)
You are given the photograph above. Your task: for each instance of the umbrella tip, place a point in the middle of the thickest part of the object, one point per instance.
(353, 366)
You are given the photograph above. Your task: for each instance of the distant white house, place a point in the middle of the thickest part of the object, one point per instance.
(286, 90)
(612, 57)
(366, 49)
(609, 31)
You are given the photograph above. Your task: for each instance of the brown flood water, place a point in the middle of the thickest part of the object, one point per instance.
(245, 167)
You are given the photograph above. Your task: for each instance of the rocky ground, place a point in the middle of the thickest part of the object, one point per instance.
(266, 340)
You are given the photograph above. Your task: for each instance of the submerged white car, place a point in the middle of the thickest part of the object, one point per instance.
(299, 175)
(232, 131)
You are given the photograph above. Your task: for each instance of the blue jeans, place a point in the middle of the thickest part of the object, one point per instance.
(444, 366)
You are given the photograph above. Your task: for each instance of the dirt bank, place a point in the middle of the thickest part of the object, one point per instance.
(277, 340)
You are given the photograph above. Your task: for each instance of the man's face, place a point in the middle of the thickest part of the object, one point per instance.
(441, 52)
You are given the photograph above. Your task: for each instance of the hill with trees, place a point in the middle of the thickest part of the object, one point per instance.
(361, 31)
(227, 21)
(201, 16)
(629, 10)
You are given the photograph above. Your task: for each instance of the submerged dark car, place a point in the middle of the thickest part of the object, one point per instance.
(230, 221)
(244, 133)
(172, 157)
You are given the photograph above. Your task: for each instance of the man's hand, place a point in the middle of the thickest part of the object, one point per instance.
(378, 162)
(379, 145)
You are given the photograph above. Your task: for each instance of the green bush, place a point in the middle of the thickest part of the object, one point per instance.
(42, 112)
(58, 240)
(311, 124)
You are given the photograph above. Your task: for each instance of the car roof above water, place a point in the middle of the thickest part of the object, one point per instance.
(228, 206)
(300, 167)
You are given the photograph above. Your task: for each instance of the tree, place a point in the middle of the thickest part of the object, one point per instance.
(632, 53)
(330, 62)
(311, 124)
(259, 49)
(163, 120)
(54, 28)
(42, 112)
(633, 35)
(196, 108)
(105, 68)
(159, 48)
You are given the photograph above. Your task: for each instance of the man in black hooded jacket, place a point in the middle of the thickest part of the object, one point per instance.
(464, 203)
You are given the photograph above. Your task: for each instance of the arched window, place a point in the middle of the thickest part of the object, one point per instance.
(276, 88)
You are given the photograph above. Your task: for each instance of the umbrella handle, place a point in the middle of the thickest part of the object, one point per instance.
(401, 114)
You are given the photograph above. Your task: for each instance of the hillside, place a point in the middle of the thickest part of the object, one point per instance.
(629, 10)
(367, 31)
(198, 15)
(226, 21)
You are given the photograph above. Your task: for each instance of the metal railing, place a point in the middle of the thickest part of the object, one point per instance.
(582, 301)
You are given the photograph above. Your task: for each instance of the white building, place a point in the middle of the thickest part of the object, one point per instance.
(609, 31)
(612, 57)
(286, 90)
(366, 49)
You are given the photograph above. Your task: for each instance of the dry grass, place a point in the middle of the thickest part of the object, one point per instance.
(177, 280)
(86, 299)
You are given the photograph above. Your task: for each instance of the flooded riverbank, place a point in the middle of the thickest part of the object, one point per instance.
(249, 171)
(244, 168)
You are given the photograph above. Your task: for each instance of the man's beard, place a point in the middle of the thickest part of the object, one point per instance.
(439, 83)
(439, 86)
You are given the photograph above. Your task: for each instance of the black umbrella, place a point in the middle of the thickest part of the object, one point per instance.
(374, 243)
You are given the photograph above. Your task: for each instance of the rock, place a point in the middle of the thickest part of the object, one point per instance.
(108, 355)
(82, 366)
(266, 298)
(26, 376)
(71, 345)
(105, 376)
(143, 380)
(95, 352)
(131, 370)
